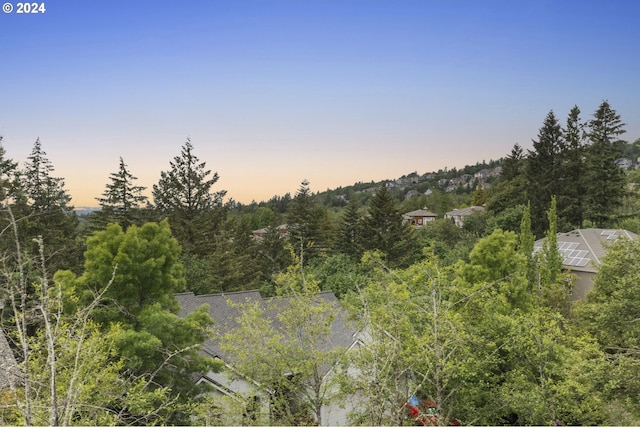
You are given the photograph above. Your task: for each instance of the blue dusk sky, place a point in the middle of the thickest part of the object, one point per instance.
(272, 92)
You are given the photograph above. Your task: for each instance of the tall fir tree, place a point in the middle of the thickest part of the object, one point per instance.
(43, 191)
(605, 180)
(184, 195)
(543, 171)
(42, 207)
(571, 203)
(122, 199)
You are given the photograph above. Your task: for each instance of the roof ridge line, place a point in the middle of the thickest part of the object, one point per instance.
(584, 239)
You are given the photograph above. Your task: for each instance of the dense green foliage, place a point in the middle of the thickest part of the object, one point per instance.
(467, 318)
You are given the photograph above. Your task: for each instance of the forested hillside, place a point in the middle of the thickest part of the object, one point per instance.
(466, 321)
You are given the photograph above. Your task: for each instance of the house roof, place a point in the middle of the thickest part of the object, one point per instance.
(223, 309)
(583, 249)
(421, 213)
(465, 211)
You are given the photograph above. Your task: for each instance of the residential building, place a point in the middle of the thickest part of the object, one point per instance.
(419, 218)
(459, 215)
(582, 252)
(261, 233)
(225, 309)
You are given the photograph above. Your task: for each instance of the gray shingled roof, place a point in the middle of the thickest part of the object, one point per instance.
(224, 316)
(421, 213)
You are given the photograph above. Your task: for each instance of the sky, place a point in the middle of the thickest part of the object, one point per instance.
(273, 92)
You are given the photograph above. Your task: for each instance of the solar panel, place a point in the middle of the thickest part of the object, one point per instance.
(583, 262)
(576, 261)
(563, 246)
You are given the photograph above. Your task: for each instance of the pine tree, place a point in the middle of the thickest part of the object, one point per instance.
(121, 199)
(184, 195)
(604, 180)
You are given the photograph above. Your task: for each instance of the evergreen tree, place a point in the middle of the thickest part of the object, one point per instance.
(513, 163)
(554, 287)
(349, 234)
(526, 244)
(604, 180)
(511, 189)
(385, 231)
(42, 207)
(571, 205)
(551, 265)
(273, 257)
(184, 196)
(122, 200)
(309, 232)
(233, 262)
(8, 174)
(43, 191)
(543, 171)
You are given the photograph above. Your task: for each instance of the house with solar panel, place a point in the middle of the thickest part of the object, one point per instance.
(582, 252)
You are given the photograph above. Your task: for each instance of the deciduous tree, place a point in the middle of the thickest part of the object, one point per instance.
(296, 326)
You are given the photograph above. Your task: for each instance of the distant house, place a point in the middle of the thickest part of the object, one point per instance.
(458, 215)
(224, 309)
(482, 174)
(261, 233)
(582, 252)
(419, 218)
(624, 163)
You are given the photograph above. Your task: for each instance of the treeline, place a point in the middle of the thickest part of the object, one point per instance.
(486, 329)
(576, 163)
